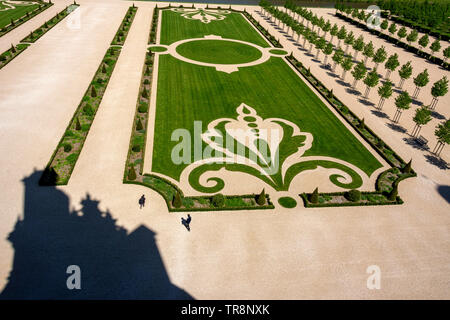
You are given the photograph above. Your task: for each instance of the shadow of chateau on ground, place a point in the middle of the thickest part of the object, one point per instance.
(114, 264)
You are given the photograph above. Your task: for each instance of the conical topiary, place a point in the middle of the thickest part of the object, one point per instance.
(145, 93)
(261, 198)
(176, 200)
(77, 124)
(131, 173)
(139, 125)
(407, 167)
(361, 124)
(13, 49)
(103, 68)
(314, 198)
(93, 92)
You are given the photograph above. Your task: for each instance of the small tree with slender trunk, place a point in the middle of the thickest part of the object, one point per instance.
(405, 72)
(327, 50)
(421, 80)
(334, 31)
(358, 46)
(402, 102)
(341, 35)
(423, 41)
(379, 57)
(346, 65)
(368, 51)
(421, 118)
(439, 89)
(326, 28)
(384, 91)
(412, 36)
(402, 33)
(358, 73)
(435, 46)
(391, 64)
(446, 53)
(337, 58)
(392, 28)
(370, 81)
(442, 134)
(320, 44)
(349, 40)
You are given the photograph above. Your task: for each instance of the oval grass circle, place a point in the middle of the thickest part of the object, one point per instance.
(218, 52)
(287, 202)
(158, 49)
(278, 52)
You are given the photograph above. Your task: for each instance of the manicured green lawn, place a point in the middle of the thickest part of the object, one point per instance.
(19, 11)
(188, 93)
(234, 26)
(219, 51)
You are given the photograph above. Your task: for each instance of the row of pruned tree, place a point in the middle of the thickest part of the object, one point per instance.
(314, 30)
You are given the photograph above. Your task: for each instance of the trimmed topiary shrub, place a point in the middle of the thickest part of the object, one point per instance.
(143, 108)
(218, 200)
(176, 202)
(261, 198)
(144, 93)
(407, 167)
(136, 148)
(67, 147)
(103, 68)
(314, 197)
(146, 81)
(78, 125)
(353, 195)
(139, 125)
(287, 202)
(93, 92)
(88, 110)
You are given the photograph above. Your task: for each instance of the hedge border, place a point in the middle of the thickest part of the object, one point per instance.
(59, 16)
(131, 10)
(15, 55)
(77, 111)
(25, 18)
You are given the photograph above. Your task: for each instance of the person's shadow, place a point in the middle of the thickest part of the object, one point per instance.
(113, 264)
(187, 222)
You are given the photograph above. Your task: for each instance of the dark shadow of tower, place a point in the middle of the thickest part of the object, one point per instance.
(114, 264)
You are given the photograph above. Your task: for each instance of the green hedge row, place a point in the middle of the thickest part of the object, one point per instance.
(61, 165)
(15, 23)
(43, 29)
(7, 56)
(124, 28)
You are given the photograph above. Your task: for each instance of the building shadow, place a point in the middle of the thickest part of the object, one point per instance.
(114, 264)
(444, 191)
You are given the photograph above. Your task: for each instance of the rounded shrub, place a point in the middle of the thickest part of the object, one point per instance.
(67, 147)
(146, 81)
(287, 202)
(218, 200)
(88, 110)
(136, 148)
(353, 195)
(143, 108)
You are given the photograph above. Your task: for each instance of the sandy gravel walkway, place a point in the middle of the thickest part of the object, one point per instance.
(281, 254)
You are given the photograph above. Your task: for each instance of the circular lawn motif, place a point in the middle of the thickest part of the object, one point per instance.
(278, 52)
(287, 202)
(158, 49)
(219, 52)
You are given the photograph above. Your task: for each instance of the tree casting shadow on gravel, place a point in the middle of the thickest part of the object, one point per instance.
(114, 264)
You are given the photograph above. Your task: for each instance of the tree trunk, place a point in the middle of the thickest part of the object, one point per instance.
(366, 95)
(354, 83)
(401, 83)
(388, 74)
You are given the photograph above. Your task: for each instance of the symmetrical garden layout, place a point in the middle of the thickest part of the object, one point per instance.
(226, 106)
